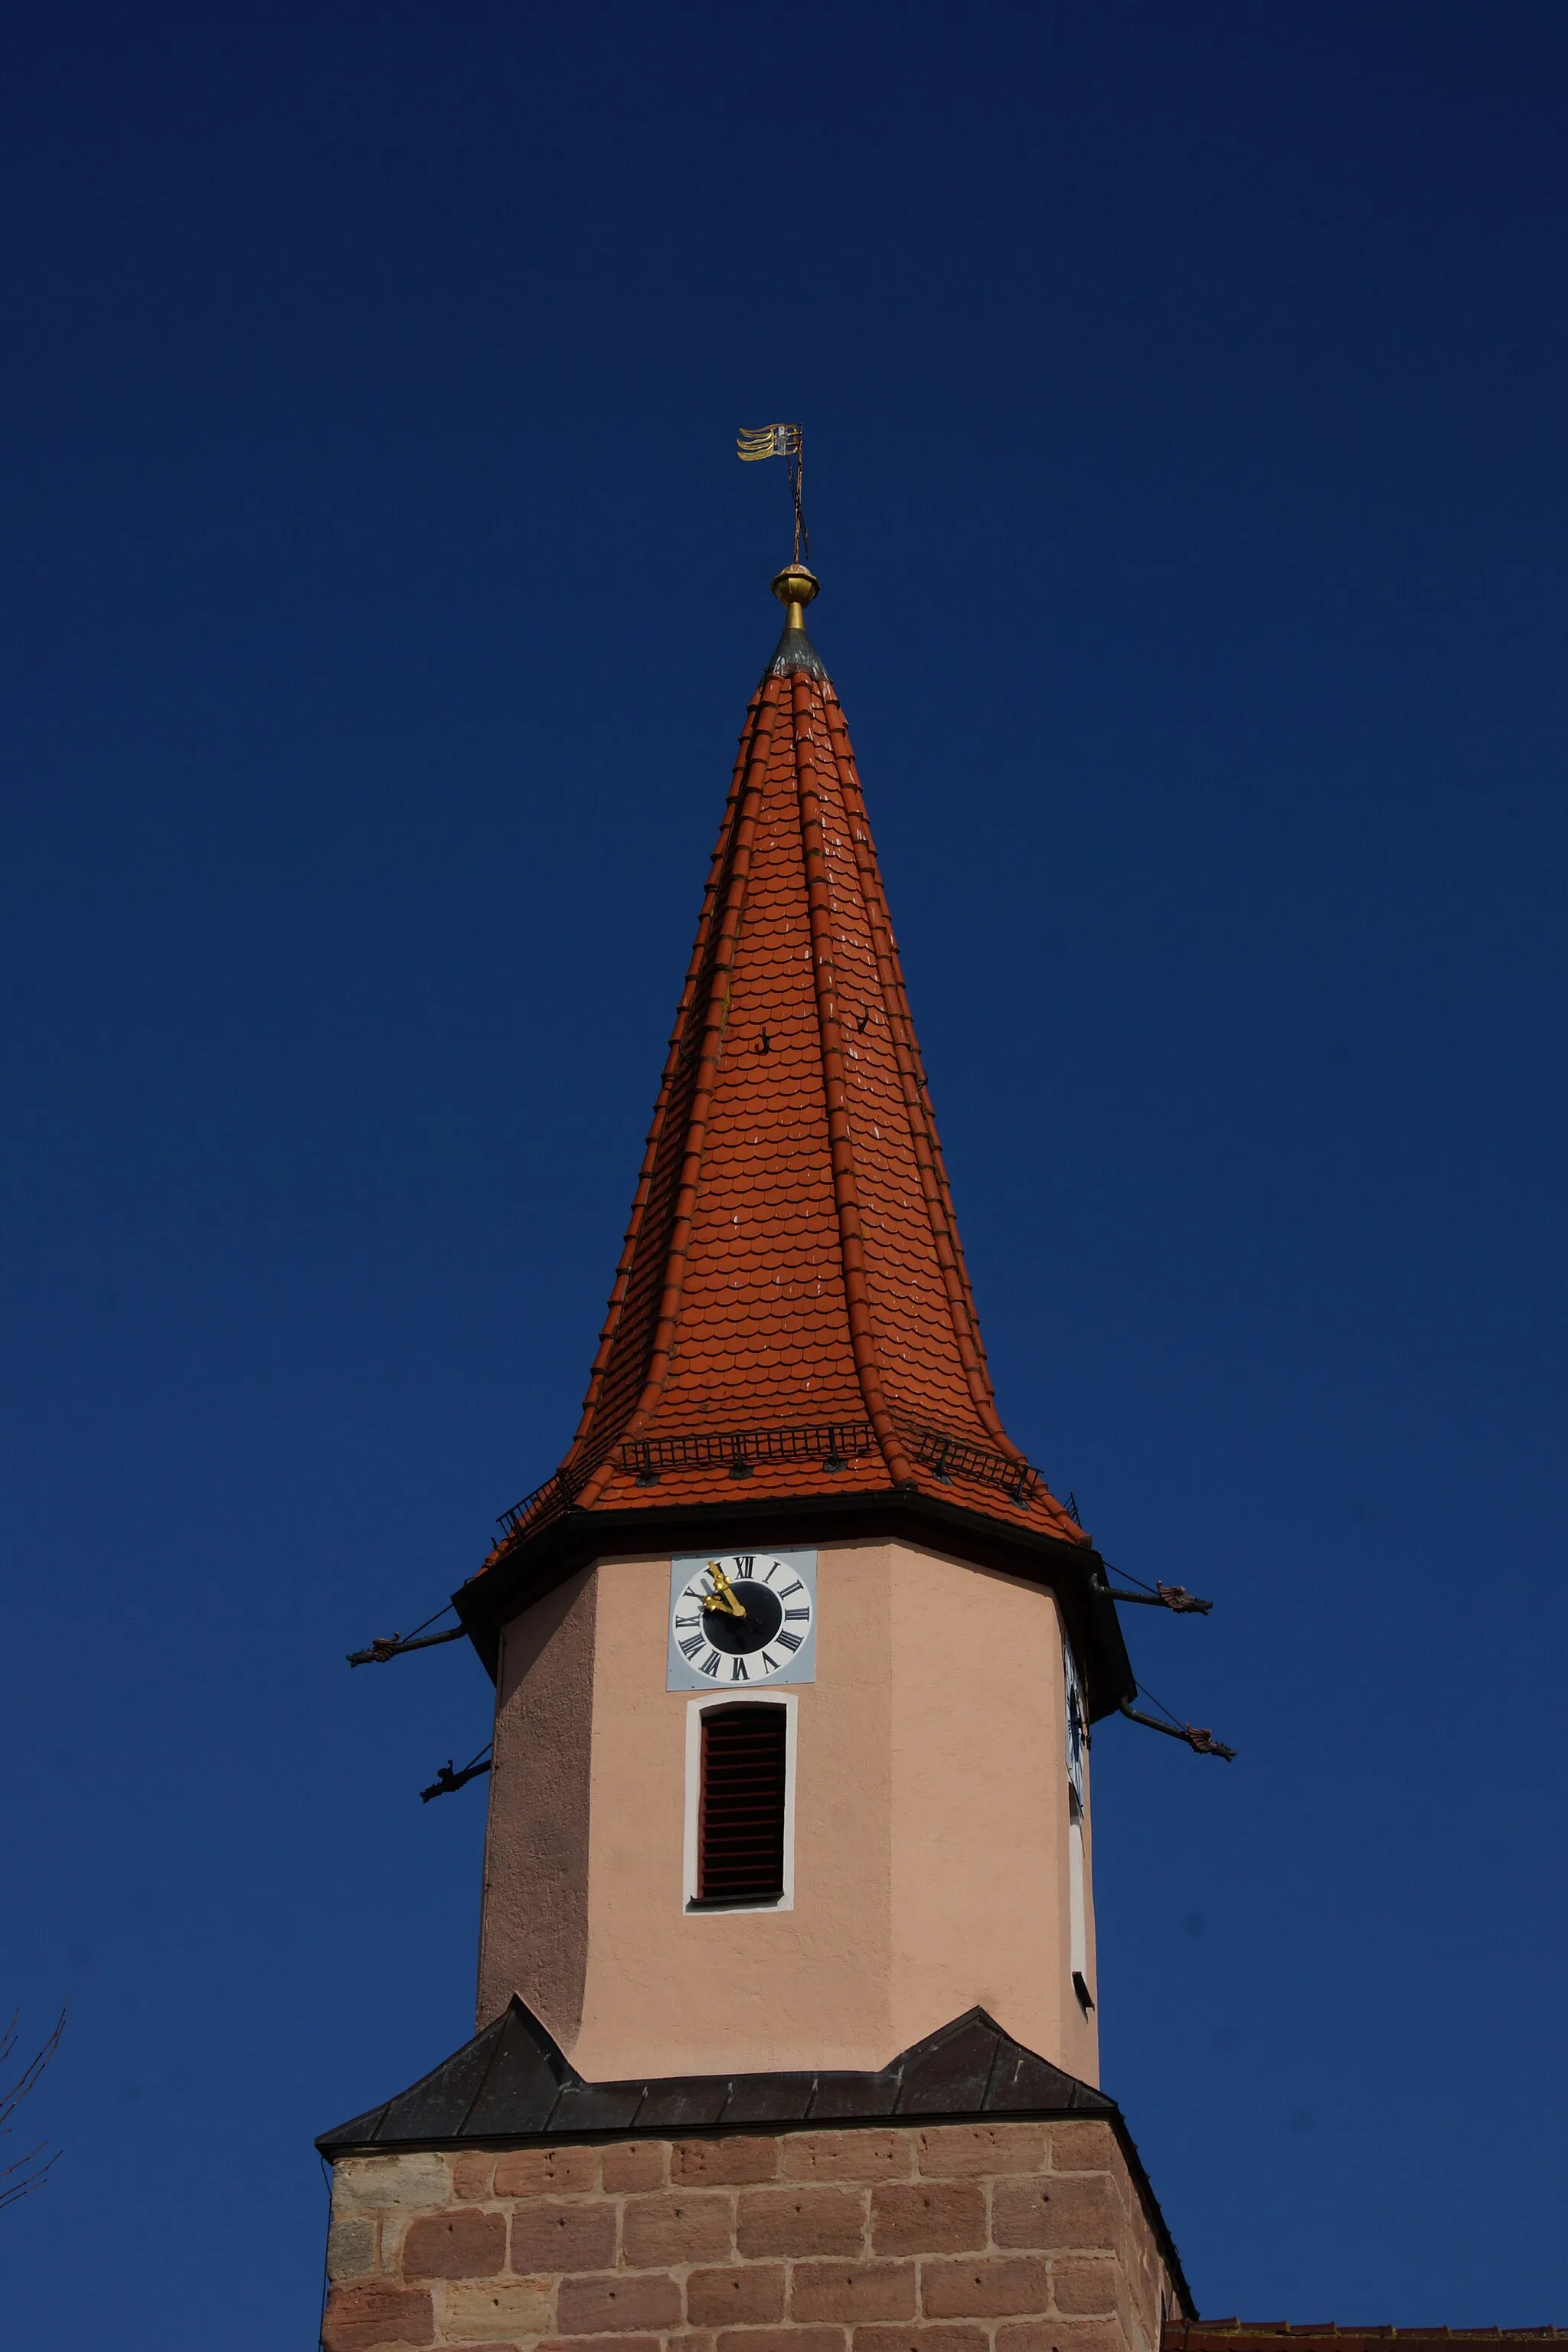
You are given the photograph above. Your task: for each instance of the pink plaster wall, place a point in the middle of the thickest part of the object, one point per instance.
(930, 1860)
(534, 1919)
(980, 1808)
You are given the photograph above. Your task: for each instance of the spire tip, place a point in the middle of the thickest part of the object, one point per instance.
(794, 587)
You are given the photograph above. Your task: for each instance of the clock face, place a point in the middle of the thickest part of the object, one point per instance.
(742, 1618)
(1077, 1730)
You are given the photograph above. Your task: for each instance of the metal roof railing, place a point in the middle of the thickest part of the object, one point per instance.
(833, 1445)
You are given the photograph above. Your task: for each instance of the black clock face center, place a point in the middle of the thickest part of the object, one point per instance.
(739, 1636)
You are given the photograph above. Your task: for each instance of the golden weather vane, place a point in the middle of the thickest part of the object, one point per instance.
(754, 441)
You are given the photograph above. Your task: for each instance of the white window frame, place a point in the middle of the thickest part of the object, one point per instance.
(1078, 1904)
(696, 1709)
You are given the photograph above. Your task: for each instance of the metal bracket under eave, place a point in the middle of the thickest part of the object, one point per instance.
(1201, 1742)
(1166, 1596)
(393, 1645)
(447, 1782)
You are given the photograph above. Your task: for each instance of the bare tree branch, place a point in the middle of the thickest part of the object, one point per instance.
(19, 2178)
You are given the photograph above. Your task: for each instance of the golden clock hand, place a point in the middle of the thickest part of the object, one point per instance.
(723, 1595)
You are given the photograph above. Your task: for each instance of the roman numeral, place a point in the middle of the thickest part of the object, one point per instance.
(710, 1663)
(689, 1621)
(770, 1663)
(691, 1644)
(796, 1587)
(798, 1616)
(787, 1640)
(769, 1572)
(745, 1562)
(738, 1671)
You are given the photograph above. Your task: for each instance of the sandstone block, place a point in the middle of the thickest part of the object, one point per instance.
(849, 2293)
(390, 2229)
(697, 2225)
(471, 2171)
(366, 2184)
(639, 2164)
(616, 2301)
(1074, 2209)
(360, 2317)
(601, 2344)
(802, 2222)
(969, 2151)
(849, 2156)
(919, 2338)
(1132, 2241)
(489, 2315)
(928, 2218)
(1089, 2146)
(1085, 2285)
(1060, 2336)
(752, 2297)
(350, 2249)
(714, 2163)
(462, 2244)
(547, 2235)
(547, 2172)
(987, 2286)
(782, 2339)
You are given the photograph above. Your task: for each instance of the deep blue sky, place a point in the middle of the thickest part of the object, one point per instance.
(1186, 389)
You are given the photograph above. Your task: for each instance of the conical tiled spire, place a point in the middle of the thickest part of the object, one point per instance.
(791, 1304)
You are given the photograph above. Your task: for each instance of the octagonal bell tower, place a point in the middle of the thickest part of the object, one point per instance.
(795, 1654)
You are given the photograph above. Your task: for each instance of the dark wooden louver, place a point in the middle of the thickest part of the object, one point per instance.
(740, 1822)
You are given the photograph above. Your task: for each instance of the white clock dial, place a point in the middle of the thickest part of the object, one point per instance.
(740, 1619)
(1077, 1730)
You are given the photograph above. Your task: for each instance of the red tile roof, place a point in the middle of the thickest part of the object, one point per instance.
(791, 1302)
(1278, 2334)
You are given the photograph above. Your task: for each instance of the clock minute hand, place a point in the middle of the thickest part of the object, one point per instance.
(723, 1595)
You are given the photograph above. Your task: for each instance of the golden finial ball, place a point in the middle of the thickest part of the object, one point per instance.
(795, 585)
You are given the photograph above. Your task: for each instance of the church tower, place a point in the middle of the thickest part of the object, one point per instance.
(788, 1651)
(787, 1891)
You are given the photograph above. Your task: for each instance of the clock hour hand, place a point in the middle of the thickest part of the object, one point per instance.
(723, 1595)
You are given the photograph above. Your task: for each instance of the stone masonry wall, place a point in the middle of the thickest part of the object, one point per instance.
(951, 2238)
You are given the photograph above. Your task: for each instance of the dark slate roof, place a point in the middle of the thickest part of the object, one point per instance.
(512, 2083)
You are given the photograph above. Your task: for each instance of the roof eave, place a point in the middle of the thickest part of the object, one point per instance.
(1073, 1571)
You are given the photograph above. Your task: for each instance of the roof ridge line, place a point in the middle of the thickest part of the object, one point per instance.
(498, 2028)
(616, 1305)
(932, 1170)
(846, 1197)
(721, 936)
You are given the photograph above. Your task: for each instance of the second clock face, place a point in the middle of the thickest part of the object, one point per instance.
(740, 1619)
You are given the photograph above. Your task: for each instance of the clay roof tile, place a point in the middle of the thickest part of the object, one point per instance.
(793, 1255)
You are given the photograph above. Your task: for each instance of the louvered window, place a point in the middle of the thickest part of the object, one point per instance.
(740, 1808)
